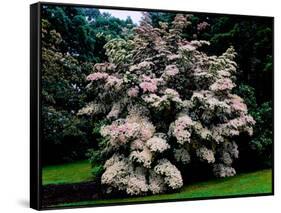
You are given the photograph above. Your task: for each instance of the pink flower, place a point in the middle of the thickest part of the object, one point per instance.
(180, 129)
(202, 26)
(222, 85)
(133, 92)
(149, 84)
(188, 47)
(97, 76)
(113, 82)
(148, 87)
(237, 104)
(171, 70)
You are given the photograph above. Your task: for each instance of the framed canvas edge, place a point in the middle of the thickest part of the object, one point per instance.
(144, 9)
(36, 108)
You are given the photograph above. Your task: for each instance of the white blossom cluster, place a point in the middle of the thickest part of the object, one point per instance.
(172, 175)
(167, 97)
(205, 154)
(156, 183)
(157, 144)
(121, 174)
(92, 108)
(144, 157)
(180, 129)
(167, 103)
(222, 170)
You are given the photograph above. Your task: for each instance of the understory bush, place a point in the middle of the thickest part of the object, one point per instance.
(260, 146)
(167, 104)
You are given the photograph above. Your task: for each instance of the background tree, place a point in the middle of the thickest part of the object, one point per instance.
(72, 38)
(64, 135)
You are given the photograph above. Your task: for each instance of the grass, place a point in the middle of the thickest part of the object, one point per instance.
(67, 173)
(259, 182)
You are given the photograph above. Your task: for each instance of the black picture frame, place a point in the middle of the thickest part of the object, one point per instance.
(36, 188)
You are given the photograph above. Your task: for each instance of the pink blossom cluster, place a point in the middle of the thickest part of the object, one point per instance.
(110, 80)
(120, 174)
(243, 123)
(157, 144)
(153, 100)
(143, 65)
(116, 169)
(233, 128)
(180, 22)
(120, 132)
(222, 85)
(113, 81)
(205, 154)
(202, 26)
(237, 104)
(133, 92)
(211, 104)
(170, 71)
(188, 47)
(149, 84)
(164, 101)
(137, 144)
(97, 76)
(181, 129)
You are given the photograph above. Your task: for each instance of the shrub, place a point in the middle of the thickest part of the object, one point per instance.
(167, 104)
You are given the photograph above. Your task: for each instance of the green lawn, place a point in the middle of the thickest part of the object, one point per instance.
(67, 173)
(242, 184)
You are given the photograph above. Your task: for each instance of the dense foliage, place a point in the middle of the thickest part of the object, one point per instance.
(260, 146)
(71, 41)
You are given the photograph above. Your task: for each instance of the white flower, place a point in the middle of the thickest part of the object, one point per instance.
(221, 170)
(115, 111)
(170, 71)
(143, 157)
(157, 144)
(181, 129)
(117, 172)
(156, 183)
(205, 154)
(171, 174)
(222, 85)
(137, 183)
(92, 108)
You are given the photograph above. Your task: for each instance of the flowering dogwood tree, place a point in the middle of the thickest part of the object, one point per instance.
(167, 103)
